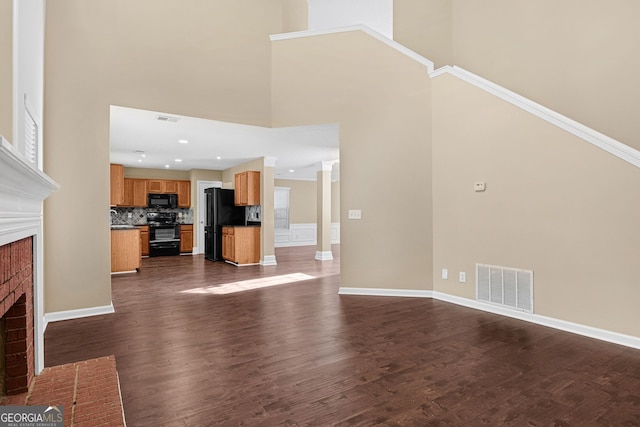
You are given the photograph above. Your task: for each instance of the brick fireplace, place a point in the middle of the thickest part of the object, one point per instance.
(16, 313)
(23, 189)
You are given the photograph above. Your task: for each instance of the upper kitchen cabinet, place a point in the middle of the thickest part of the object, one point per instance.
(167, 186)
(247, 188)
(155, 186)
(116, 185)
(135, 192)
(184, 194)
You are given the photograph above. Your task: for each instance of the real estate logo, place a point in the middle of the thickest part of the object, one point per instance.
(31, 416)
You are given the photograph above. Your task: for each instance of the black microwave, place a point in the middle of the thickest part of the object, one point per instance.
(162, 200)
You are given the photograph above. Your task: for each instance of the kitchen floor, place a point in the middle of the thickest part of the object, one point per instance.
(199, 343)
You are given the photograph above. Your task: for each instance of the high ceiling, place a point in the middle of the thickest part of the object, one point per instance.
(149, 139)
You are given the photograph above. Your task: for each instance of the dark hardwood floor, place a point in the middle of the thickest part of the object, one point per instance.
(193, 348)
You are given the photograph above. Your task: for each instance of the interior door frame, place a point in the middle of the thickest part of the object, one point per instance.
(202, 203)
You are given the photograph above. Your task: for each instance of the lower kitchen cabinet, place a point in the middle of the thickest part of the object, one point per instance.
(241, 245)
(186, 238)
(125, 250)
(144, 239)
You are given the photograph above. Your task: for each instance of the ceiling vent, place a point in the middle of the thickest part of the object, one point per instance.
(167, 119)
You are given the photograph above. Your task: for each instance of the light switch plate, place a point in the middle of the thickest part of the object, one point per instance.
(355, 214)
(463, 277)
(445, 273)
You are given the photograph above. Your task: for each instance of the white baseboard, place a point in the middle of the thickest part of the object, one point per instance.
(413, 293)
(269, 260)
(563, 325)
(58, 316)
(324, 255)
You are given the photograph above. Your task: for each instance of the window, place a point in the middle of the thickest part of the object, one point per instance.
(281, 208)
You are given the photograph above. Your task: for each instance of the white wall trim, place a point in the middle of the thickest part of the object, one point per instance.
(58, 316)
(268, 260)
(592, 136)
(563, 325)
(324, 256)
(380, 292)
(303, 234)
(389, 42)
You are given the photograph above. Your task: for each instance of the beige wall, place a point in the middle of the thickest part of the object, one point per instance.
(295, 15)
(577, 57)
(378, 96)
(6, 69)
(425, 26)
(335, 201)
(190, 58)
(302, 200)
(545, 209)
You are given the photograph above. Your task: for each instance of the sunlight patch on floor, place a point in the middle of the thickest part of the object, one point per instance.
(247, 285)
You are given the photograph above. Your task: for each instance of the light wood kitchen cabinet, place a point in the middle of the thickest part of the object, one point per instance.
(135, 192)
(116, 175)
(184, 194)
(241, 245)
(247, 188)
(170, 187)
(144, 240)
(186, 238)
(125, 250)
(155, 186)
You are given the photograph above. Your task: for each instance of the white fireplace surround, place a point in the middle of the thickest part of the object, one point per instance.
(23, 188)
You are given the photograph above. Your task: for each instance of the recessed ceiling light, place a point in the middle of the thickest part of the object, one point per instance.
(218, 158)
(143, 155)
(139, 160)
(166, 166)
(292, 170)
(183, 141)
(178, 160)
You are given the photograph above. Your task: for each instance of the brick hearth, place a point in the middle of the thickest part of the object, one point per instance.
(88, 391)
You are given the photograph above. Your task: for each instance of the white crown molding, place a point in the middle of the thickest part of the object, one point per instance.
(589, 135)
(58, 316)
(563, 325)
(389, 42)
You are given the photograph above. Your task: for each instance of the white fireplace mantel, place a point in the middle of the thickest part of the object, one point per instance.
(23, 188)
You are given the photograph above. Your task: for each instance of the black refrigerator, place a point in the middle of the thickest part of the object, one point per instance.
(220, 211)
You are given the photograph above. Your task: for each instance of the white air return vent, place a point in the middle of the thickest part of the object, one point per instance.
(167, 119)
(507, 287)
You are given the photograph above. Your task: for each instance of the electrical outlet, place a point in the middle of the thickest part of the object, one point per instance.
(445, 273)
(463, 277)
(355, 214)
(129, 215)
(478, 186)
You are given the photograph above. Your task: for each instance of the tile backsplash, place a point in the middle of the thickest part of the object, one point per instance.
(139, 215)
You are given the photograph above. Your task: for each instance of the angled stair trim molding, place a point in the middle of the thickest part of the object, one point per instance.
(376, 35)
(610, 145)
